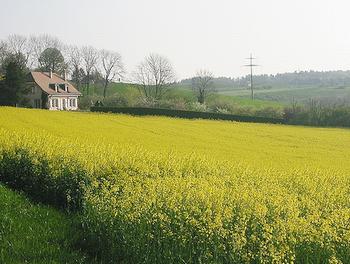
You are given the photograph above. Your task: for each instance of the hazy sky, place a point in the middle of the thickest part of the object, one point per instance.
(285, 35)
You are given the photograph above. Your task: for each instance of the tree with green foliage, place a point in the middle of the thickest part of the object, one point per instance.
(13, 88)
(52, 59)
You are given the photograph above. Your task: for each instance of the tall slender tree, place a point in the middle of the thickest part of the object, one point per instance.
(112, 67)
(90, 59)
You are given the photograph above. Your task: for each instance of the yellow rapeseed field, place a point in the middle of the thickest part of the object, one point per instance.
(166, 190)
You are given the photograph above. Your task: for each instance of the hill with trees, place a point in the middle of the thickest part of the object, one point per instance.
(286, 87)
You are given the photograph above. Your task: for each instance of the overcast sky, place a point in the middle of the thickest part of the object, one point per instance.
(285, 35)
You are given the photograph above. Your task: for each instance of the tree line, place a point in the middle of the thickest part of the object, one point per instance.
(154, 76)
(291, 79)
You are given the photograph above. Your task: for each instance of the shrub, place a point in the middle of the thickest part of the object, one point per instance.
(198, 107)
(86, 101)
(115, 100)
(271, 112)
(175, 103)
(319, 115)
(218, 105)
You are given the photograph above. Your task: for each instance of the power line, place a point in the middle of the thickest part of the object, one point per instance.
(251, 65)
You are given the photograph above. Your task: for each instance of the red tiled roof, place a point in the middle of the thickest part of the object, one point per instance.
(43, 80)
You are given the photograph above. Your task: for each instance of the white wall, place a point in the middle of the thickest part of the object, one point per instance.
(63, 103)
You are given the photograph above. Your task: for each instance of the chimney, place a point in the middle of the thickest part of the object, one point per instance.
(50, 73)
(65, 75)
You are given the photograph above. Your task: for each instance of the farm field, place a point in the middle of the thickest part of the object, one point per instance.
(163, 190)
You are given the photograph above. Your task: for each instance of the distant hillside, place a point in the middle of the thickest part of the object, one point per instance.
(303, 86)
(297, 79)
(281, 89)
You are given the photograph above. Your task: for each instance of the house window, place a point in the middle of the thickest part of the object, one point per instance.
(33, 89)
(63, 87)
(74, 102)
(54, 86)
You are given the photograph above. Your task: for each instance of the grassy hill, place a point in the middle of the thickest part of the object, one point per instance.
(183, 92)
(287, 94)
(166, 190)
(271, 96)
(32, 233)
(301, 85)
(283, 94)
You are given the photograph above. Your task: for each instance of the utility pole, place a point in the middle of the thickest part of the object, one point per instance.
(251, 65)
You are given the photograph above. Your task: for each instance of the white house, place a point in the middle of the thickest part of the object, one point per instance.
(49, 90)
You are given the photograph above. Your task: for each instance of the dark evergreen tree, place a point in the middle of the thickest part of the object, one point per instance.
(13, 87)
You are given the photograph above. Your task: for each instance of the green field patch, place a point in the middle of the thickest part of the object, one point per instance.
(33, 233)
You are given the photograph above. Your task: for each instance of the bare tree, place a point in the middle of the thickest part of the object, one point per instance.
(42, 42)
(202, 85)
(75, 64)
(111, 66)
(18, 44)
(155, 75)
(90, 59)
(74, 57)
(3, 51)
(3, 55)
